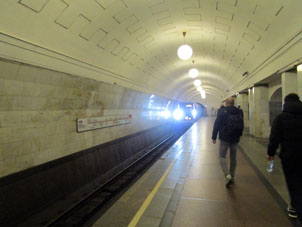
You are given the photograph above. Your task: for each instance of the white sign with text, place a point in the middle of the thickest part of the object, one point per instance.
(92, 123)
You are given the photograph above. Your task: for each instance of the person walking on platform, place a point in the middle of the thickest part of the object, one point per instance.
(287, 131)
(221, 108)
(229, 124)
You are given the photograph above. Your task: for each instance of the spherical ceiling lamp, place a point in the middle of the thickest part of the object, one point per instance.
(193, 73)
(184, 52)
(197, 83)
(203, 94)
(199, 89)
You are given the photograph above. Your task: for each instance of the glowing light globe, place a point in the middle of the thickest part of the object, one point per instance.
(193, 73)
(184, 52)
(197, 83)
(203, 94)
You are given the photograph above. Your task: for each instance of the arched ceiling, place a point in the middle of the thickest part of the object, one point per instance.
(134, 42)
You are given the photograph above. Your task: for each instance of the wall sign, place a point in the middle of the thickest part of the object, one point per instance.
(92, 123)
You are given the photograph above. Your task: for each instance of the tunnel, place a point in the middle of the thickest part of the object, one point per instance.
(89, 87)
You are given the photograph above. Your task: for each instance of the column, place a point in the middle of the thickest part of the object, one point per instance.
(289, 83)
(238, 100)
(242, 100)
(251, 111)
(260, 111)
(299, 80)
(235, 101)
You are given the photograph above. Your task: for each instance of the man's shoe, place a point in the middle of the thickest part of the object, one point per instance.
(292, 212)
(228, 180)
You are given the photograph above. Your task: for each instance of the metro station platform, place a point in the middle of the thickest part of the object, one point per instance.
(186, 187)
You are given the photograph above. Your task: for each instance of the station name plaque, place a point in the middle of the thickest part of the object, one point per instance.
(92, 123)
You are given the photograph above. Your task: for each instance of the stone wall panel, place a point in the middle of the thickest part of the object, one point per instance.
(39, 108)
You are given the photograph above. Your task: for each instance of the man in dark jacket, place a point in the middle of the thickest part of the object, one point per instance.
(229, 124)
(221, 108)
(287, 131)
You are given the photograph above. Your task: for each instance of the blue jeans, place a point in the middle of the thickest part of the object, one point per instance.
(223, 148)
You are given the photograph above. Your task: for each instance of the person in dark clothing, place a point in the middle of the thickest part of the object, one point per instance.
(287, 131)
(229, 125)
(221, 108)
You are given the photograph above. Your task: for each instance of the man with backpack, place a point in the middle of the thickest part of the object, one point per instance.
(229, 124)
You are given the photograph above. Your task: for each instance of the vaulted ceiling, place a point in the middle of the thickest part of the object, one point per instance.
(134, 42)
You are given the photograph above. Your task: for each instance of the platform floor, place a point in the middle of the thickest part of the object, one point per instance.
(186, 187)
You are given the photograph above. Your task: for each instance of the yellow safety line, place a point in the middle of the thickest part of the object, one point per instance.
(148, 200)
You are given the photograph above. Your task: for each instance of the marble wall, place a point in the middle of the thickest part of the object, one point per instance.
(39, 108)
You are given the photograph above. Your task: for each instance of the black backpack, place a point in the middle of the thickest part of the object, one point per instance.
(234, 124)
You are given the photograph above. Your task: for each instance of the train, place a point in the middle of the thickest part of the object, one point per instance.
(189, 111)
(185, 111)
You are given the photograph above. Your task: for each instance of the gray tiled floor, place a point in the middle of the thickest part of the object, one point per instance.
(194, 193)
(255, 149)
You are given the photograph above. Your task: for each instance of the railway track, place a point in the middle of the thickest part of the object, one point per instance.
(85, 209)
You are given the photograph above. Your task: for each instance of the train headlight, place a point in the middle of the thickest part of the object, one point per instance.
(166, 114)
(178, 114)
